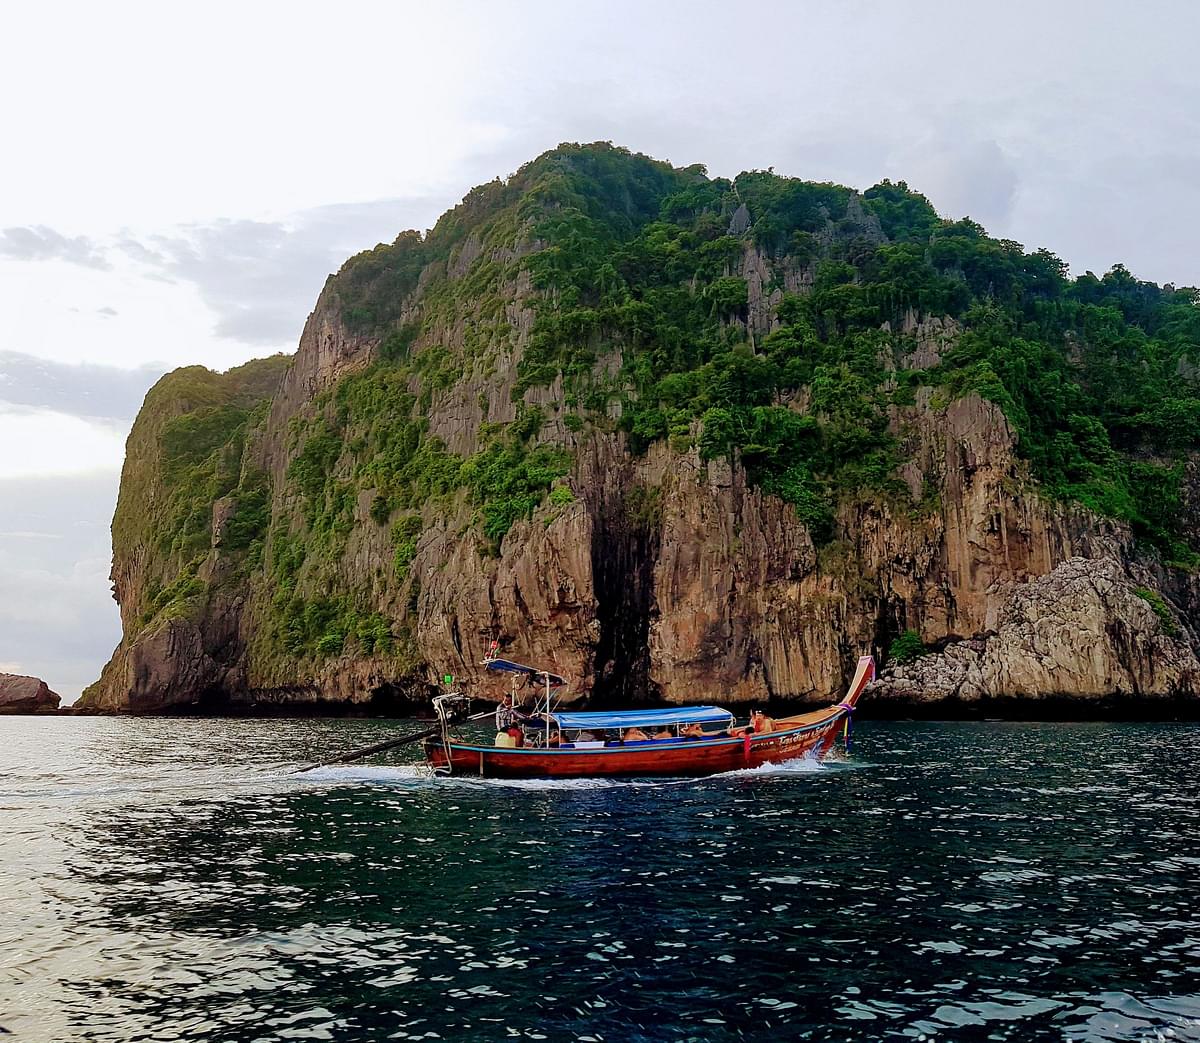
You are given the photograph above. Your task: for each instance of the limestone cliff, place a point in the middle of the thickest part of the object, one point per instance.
(683, 439)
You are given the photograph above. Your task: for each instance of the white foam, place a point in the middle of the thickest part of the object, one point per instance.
(799, 766)
(395, 774)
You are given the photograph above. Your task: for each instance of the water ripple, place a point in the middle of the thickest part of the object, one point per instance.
(173, 880)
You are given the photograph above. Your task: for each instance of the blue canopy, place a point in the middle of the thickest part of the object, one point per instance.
(644, 718)
(506, 666)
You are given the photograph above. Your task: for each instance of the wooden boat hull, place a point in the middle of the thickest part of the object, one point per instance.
(695, 757)
(807, 735)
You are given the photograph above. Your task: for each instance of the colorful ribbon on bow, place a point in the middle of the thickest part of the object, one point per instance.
(849, 708)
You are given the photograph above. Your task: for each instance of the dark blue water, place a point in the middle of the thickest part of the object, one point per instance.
(164, 880)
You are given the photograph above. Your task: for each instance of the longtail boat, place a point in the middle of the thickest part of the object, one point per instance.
(685, 740)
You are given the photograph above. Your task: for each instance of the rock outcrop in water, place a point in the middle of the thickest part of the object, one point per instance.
(1084, 631)
(683, 439)
(22, 694)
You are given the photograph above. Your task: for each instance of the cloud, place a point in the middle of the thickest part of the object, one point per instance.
(39, 243)
(963, 177)
(52, 443)
(88, 389)
(258, 278)
(57, 617)
(261, 278)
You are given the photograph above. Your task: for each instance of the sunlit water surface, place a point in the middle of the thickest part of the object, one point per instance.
(169, 880)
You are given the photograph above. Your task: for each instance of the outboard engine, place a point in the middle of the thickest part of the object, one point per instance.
(452, 708)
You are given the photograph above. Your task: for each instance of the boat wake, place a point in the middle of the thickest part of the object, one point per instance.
(421, 776)
(799, 766)
(394, 775)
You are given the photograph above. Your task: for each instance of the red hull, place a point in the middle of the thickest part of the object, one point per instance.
(808, 735)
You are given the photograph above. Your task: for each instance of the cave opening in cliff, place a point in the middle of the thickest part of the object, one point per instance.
(625, 549)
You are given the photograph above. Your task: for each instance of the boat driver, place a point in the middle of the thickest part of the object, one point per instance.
(507, 715)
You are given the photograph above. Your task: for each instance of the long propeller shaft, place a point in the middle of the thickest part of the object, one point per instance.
(379, 747)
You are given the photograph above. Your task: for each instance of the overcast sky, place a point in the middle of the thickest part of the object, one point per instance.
(179, 180)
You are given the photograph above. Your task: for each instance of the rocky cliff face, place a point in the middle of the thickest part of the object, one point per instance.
(464, 450)
(1083, 632)
(22, 694)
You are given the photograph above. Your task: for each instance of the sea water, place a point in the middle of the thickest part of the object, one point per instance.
(170, 880)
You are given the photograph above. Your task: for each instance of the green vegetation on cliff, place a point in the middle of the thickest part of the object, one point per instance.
(907, 648)
(634, 257)
(183, 455)
(1087, 370)
(1156, 601)
(378, 427)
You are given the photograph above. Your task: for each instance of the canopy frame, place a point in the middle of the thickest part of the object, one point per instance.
(507, 666)
(551, 682)
(654, 718)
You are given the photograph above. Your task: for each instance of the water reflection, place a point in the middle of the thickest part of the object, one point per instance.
(169, 880)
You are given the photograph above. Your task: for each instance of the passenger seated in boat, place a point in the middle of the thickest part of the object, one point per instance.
(664, 733)
(511, 737)
(692, 731)
(634, 735)
(760, 723)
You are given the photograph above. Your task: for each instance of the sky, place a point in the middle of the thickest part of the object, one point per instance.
(179, 180)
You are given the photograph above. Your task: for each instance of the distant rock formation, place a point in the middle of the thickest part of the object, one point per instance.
(22, 694)
(1083, 631)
